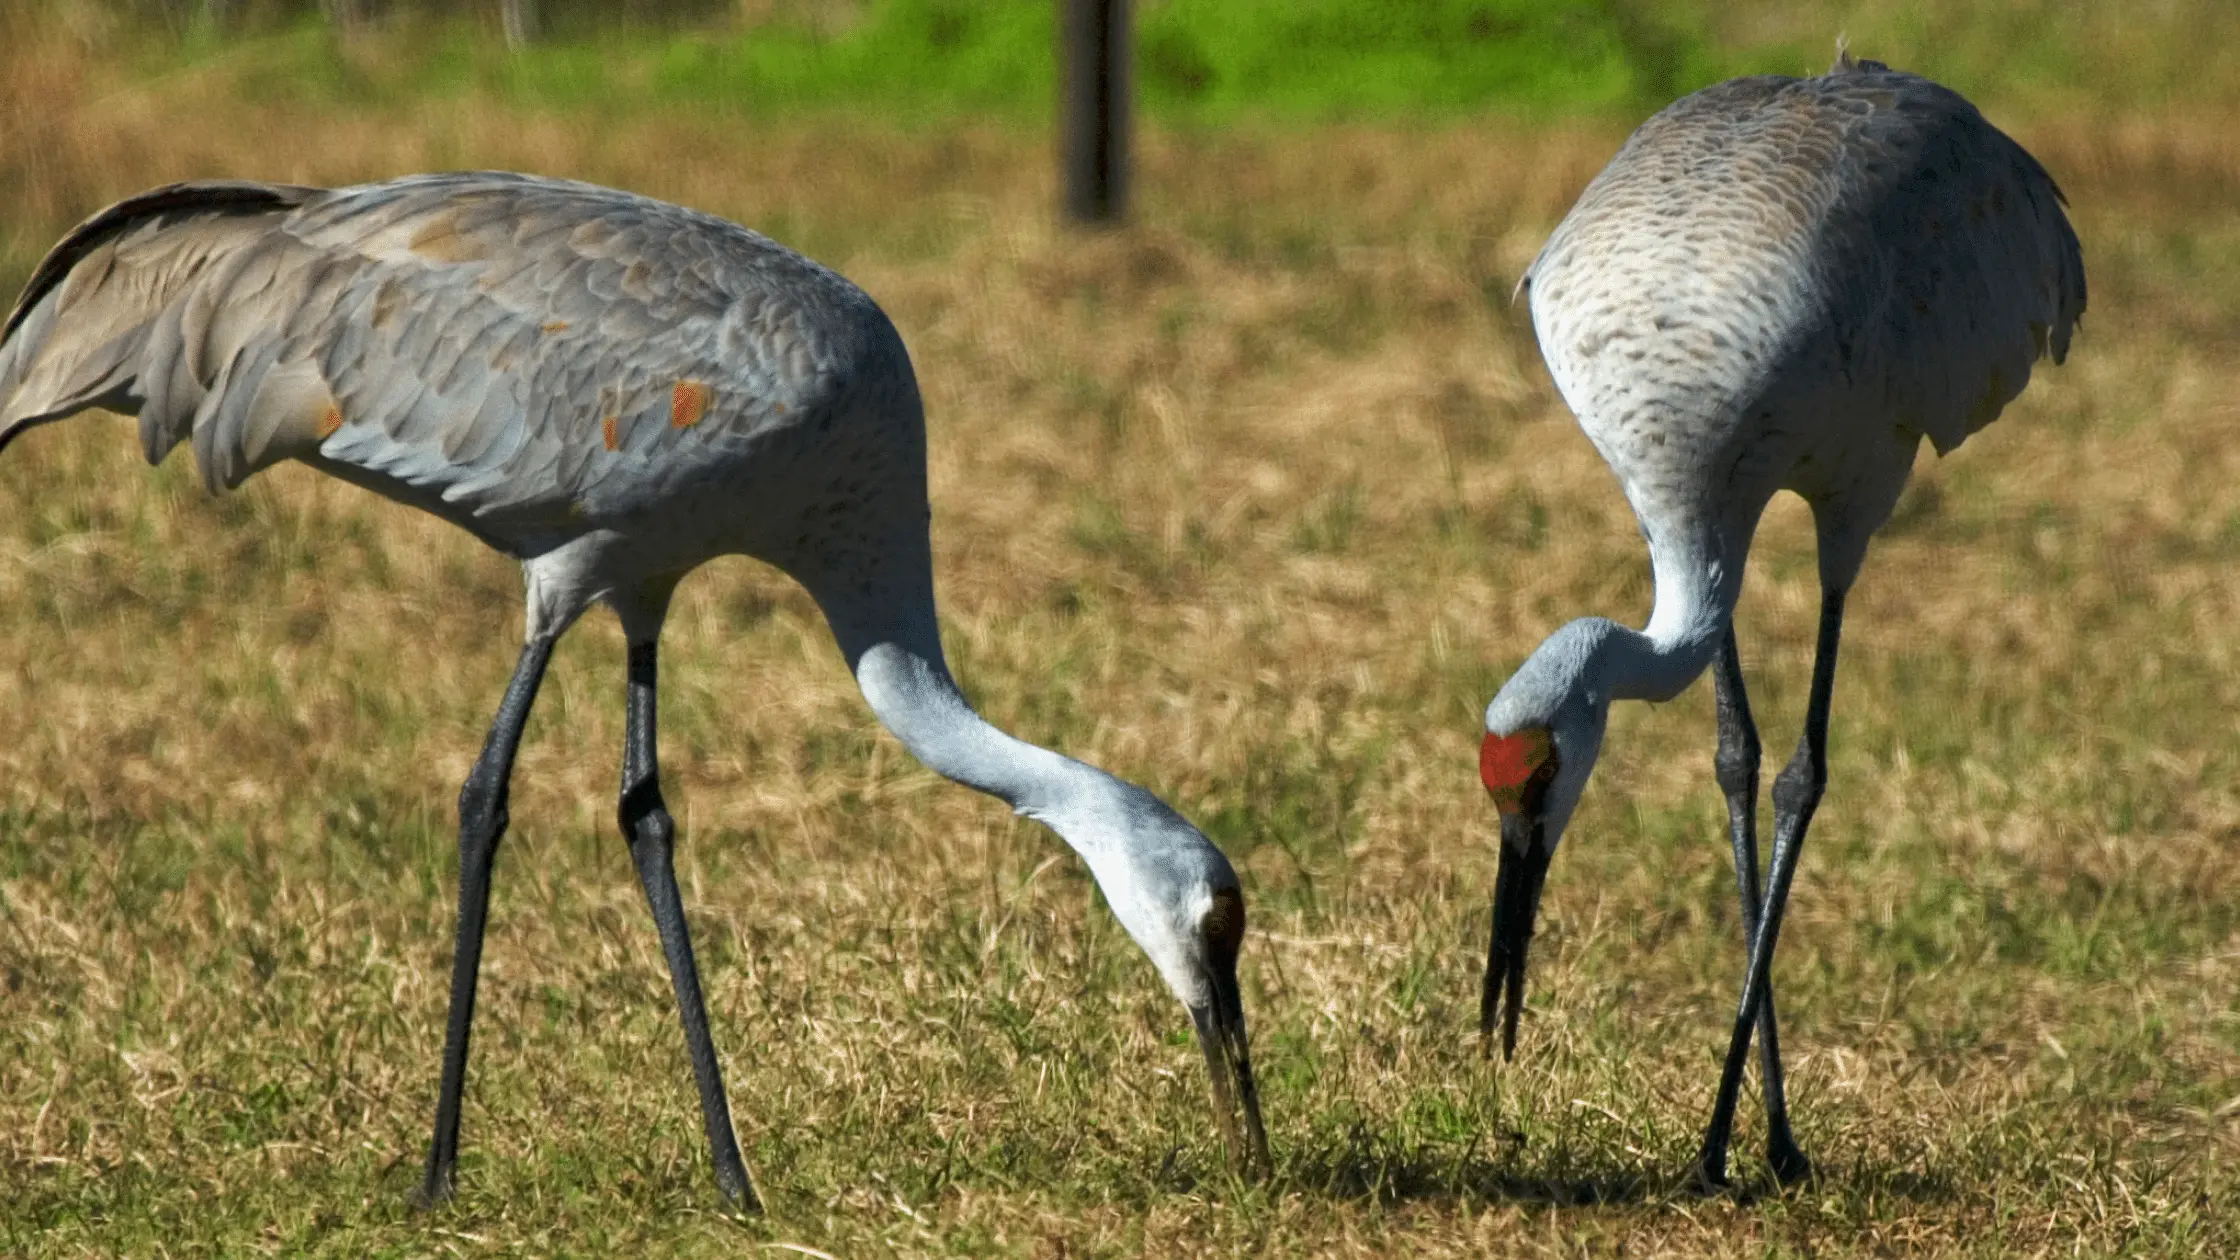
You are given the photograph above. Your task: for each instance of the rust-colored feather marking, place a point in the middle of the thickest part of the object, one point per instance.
(553, 326)
(687, 403)
(610, 428)
(329, 422)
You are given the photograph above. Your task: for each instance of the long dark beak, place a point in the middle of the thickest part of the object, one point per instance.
(1516, 902)
(1229, 1064)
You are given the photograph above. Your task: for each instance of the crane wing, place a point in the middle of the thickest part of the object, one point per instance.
(1952, 251)
(517, 354)
(1869, 221)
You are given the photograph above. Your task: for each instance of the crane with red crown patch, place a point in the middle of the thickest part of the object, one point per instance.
(1776, 284)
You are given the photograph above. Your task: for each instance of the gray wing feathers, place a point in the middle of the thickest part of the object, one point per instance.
(1979, 273)
(496, 348)
(155, 207)
(111, 317)
(1868, 227)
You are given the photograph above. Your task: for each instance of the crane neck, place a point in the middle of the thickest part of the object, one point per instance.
(917, 699)
(893, 646)
(1698, 580)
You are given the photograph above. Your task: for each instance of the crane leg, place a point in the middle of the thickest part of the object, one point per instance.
(652, 835)
(482, 820)
(1796, 793)
(1737, 766)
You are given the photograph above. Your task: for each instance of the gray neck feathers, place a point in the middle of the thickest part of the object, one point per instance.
(916, 698)
(1595, 660)
(908, 685)
(883, 619)
(1696, 593)
(1155, 869)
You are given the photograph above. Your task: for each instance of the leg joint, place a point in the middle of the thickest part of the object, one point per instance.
(1800, 783)
(643, 815)
(1737, 761)
(1737, 758)
(482, 807)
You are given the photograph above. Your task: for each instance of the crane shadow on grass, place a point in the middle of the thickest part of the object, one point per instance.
(1358, 1167)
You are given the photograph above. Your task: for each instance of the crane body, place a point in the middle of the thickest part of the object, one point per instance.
(1777, 284)
(612, 390)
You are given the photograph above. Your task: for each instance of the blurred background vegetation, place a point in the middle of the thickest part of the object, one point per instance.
(1199, 61)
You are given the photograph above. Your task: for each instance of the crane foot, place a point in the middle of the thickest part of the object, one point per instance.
(739, 1198)
(1707, 1176)
(1789, 1164)
(434, 1192)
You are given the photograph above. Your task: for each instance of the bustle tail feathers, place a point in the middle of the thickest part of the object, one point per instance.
(116, 317)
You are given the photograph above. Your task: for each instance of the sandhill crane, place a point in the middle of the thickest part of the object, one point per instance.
(612, 390)
(1776, 284)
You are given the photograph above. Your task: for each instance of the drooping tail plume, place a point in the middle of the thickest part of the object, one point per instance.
(116, 314)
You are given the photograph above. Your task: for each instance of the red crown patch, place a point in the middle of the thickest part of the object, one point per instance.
(1509, 763)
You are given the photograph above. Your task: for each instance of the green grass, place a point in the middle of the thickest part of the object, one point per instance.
(1213, 62)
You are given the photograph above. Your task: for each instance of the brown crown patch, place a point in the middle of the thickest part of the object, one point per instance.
(1224, 921)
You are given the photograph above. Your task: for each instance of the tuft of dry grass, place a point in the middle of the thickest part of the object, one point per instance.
(1255, 502)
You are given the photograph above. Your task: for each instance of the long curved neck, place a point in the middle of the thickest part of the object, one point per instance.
(1697, 587)
(911, 690)
(893, 646)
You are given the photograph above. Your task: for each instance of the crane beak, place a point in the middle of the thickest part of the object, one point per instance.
(1229, 1063)
(1516, 902)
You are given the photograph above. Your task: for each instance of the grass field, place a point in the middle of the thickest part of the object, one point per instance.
(1256, 502)
(1199, 62)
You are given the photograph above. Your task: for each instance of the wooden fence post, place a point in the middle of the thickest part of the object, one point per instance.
(1095, 51)
(520, 17)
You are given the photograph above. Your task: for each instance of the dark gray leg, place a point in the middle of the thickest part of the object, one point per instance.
(652, 836)
(1795, 795)
(482, 820)
(1737, 765)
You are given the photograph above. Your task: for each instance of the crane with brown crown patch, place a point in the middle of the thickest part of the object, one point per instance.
(1777, 284)
(612, 390)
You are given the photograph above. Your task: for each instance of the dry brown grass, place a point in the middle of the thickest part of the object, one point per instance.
(1255, 502)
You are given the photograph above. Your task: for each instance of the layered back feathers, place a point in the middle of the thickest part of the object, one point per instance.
(1867, 225)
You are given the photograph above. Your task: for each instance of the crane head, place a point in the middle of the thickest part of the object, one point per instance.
(1543, 733)
(1220, 1024)
(1179, 898)
(1516, 769)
